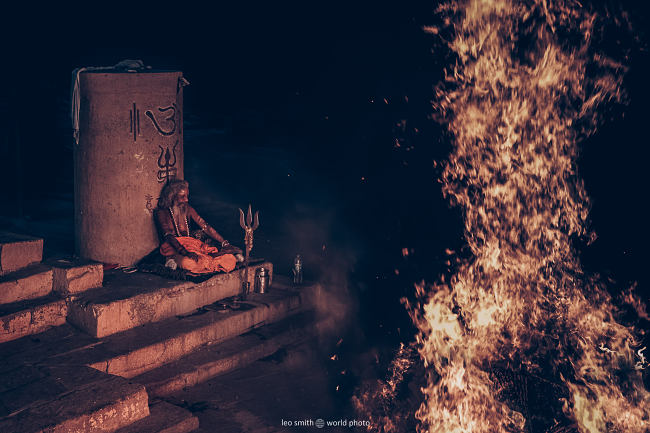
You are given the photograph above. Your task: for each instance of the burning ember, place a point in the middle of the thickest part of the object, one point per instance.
(525, 88)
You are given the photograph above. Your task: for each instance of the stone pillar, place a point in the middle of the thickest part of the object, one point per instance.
(130, 143)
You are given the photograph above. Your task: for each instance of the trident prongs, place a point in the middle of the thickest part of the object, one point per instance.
(249, 227)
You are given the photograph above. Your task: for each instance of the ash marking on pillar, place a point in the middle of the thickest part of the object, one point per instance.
(171, 118)
(134, 120)
(167, 162)
(149, 205)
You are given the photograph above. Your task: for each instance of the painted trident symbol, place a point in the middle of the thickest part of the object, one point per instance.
(249, 227)
(166, 162)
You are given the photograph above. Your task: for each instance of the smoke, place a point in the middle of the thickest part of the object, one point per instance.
(315, 233)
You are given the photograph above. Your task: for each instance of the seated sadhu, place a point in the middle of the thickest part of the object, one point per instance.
(173, 217)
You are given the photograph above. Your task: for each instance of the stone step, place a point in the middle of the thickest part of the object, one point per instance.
(296, 384)
(37, 349)
(127, 301)
(68, 399)
(136, 351)
(71, 277)
(164, 418)
(215, 359)
(30, 282)
(18, 251)
(29, 317)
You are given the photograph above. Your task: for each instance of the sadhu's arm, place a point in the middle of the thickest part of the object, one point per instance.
(205, 226)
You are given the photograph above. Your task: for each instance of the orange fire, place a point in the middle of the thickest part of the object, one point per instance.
(525, 88)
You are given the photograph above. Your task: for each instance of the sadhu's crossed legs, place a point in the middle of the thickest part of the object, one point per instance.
(208, 259)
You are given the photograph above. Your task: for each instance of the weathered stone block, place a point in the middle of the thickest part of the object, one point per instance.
(129, 300)
(70, 399)
(164, 418)
(75, 277)
(18, 251)
(27, 318)
(28, 283)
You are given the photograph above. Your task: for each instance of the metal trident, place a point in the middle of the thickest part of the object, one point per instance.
(248, 228)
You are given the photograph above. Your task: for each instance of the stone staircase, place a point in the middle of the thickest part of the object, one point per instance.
(33, 293)
(88, 351)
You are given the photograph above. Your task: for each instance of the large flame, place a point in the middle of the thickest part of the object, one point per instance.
(525, 88)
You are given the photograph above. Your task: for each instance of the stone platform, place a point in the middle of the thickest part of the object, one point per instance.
(163, 356)
(144, 348)
(126, 301)
(83, 350)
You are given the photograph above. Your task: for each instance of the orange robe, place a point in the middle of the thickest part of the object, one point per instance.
(205, 263)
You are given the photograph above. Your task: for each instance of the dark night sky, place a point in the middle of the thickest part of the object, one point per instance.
(309, 77)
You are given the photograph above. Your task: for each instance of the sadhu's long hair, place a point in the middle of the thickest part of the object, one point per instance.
(169, 192)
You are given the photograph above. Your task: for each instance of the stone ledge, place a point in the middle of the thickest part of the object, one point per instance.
(18, 251)
(127, 301)
(31, 282)
(31, 317)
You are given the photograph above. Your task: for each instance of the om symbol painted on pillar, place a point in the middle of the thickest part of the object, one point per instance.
(170, 121)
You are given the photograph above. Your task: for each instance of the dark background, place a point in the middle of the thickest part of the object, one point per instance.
(316, 93)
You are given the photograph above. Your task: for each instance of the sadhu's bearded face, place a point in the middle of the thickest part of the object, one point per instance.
(181, 199)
